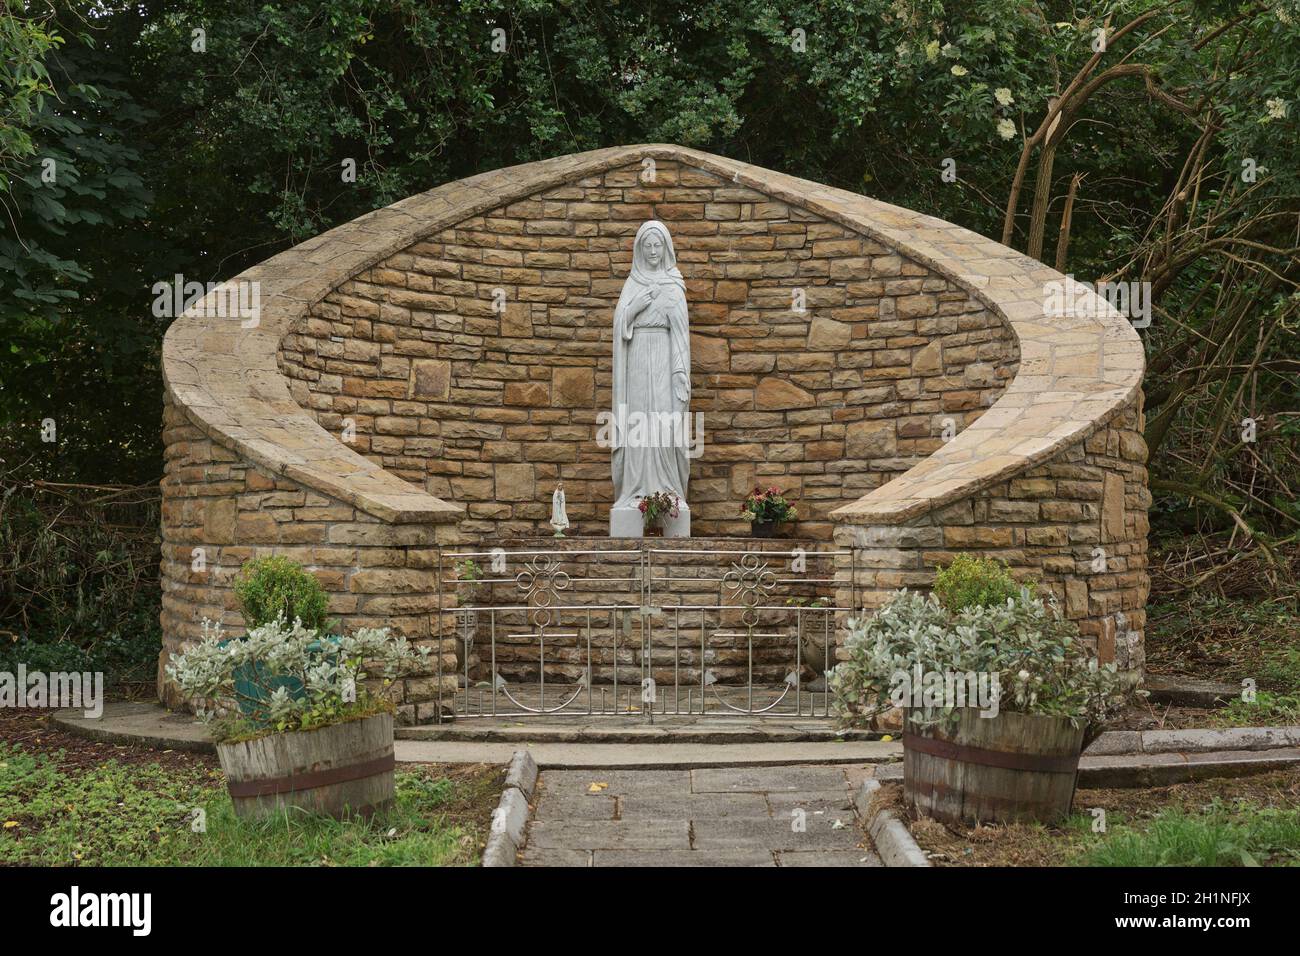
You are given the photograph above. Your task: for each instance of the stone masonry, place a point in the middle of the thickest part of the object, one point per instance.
(491, 408)
(420, 378)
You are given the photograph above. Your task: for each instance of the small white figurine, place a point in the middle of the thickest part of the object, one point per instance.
(559, 518)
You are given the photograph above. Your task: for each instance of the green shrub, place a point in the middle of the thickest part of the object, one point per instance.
(79, 579)
(275, 587)
(1042, 668)
(975, 582)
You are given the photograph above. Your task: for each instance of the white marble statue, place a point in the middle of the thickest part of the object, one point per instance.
(559, 516)
(652, 385)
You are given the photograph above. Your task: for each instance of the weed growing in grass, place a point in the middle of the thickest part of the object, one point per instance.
(1267, 710)
(102, 815)
(113, 814)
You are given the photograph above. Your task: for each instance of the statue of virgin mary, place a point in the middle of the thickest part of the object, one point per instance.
(652, 385)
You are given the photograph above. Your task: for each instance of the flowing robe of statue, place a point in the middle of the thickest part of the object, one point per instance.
(652, 384)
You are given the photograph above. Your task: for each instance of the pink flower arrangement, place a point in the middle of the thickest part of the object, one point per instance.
(767, 506)
(655, 506)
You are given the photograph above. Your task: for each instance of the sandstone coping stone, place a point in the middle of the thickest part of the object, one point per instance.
(1077, 369)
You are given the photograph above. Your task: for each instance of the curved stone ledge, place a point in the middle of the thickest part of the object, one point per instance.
(1076, 372)
(467, 416)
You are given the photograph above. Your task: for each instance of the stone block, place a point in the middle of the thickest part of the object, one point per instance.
(573, 387)
(430, 378)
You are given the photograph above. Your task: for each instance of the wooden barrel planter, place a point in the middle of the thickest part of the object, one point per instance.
(341, 770)
(1012, 768)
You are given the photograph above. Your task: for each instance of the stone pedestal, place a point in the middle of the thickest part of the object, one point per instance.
(626, 523)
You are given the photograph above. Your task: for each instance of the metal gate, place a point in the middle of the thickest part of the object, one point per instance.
(643, 631)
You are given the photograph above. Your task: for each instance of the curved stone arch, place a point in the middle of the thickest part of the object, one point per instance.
(1079, 375)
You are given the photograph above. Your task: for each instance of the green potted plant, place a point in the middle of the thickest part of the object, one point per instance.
(288, 706)
(999, 694)
(654, 509)
(275, 588)
(469, 573)
(766, 511)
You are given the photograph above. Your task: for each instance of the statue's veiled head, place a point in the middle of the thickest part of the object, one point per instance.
(652, 250)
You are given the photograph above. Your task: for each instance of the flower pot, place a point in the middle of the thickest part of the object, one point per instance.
(339, 770)
(654, 531)
(763, 529)
(1012, 768)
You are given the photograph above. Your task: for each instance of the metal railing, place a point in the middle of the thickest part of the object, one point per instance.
(662, 631)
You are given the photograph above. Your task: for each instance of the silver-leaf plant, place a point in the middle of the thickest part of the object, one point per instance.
(282, 677)
(1041, 665)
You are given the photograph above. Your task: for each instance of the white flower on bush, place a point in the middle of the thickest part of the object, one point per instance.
(1003, 96)
(1006, 129)
(1025, 642)
(958, 70)
(328, 668)
(1277, 109)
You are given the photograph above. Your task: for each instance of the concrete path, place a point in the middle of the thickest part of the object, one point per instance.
(666, 755)
(150, 725)
(708, 816)
(1116, 759)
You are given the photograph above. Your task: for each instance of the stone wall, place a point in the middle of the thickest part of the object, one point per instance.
(377, 574)
(1076, 523)
(491, 408)
(382, 408)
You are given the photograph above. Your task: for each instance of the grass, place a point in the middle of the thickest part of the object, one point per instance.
(1240, 834)
(1241, 821)
(1267, 710)
(116, 814)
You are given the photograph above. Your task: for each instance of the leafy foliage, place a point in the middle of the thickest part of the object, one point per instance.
(79, 579)
(202, 163)
(109, 812)
(656, 506)
(1042, 667)
(276, 588)
(286, 677)
(1223, 834)
(975, 582)
(114, 814)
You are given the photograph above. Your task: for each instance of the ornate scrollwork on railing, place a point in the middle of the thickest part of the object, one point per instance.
(540, 581)
(750, 581)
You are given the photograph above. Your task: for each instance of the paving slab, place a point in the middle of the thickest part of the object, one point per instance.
(139, 722)
(576, 808)
(534, 856)
(652, 755)
(706, 806)
(767, 779)
(815, 801)
(768, 833)
(806, 858)
(678, 858)
(665, 819)
(610, 835)
(613, 783)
